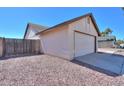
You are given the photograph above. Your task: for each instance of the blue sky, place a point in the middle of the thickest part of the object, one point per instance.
(13, 20)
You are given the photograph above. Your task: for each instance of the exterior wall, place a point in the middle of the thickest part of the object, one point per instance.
(31, 34)
(105, 44)
(1, 47)
(60, 41)
(83, 25)
(55, 42)
(96, 44)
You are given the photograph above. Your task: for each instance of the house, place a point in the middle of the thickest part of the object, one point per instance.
(70, 39)
(32, 29)
(121, 45)
(106, 42)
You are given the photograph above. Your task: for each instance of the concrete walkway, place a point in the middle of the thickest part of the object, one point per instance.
(105, 61)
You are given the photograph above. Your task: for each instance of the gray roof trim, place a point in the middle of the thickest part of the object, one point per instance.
(72, 20)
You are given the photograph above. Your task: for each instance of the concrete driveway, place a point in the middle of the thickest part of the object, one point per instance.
(105, 61)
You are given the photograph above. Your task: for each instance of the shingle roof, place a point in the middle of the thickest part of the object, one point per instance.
(72, 20)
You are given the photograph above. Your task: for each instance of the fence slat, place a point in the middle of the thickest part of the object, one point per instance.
(15, 47)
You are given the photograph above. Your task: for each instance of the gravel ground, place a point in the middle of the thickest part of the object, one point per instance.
(47, 70)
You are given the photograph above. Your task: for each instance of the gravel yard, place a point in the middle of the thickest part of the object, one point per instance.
(47, 70)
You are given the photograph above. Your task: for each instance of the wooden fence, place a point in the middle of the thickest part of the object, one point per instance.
(17, 47)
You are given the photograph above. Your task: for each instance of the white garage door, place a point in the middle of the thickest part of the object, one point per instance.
(84, 44)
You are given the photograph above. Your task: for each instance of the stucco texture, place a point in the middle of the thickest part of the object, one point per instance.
(55, 42)
(60, 41)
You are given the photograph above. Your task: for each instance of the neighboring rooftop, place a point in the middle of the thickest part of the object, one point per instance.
(106, 38)
(36, 27)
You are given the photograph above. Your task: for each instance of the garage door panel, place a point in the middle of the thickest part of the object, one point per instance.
(84, 44)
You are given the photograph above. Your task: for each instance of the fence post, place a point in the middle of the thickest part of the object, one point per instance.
(23, 46)
(4, 47)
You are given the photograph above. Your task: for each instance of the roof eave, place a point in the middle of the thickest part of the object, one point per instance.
(63, 23)
(26, 30)
(72, 20)
(96, 26)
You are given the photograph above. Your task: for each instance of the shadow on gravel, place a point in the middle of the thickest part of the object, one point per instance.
(26, 55)
(95, 68)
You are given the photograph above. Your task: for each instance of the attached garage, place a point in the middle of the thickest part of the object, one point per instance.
(84, 44)
(70, 39)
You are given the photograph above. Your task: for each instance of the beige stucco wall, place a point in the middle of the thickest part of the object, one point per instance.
(55, 42)
(60, 41)
(31, 34)
(97, 44)
(1, 48)
(83, 26)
